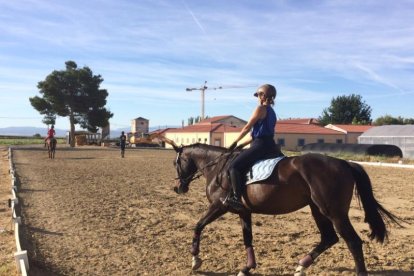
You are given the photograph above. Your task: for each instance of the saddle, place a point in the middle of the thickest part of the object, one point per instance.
(262, 169)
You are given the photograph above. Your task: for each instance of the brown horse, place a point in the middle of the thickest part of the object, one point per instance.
(324, 183)
(51, 147)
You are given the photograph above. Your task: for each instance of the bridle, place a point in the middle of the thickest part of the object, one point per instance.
(195, 175)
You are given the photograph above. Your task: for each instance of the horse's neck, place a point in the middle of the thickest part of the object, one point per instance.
(208, 161)
(203, 156)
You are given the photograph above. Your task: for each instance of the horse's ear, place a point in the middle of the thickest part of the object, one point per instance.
(170, 142)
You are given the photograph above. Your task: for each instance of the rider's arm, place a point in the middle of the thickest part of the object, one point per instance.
(258, 113)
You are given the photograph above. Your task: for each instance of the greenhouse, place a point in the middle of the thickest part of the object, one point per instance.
(401, 136)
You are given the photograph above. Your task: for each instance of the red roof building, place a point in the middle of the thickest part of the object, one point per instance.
(294, 134)
(290, 134)
(302, 121)
(352, 131)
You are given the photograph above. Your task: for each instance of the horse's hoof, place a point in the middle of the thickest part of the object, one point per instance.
(300, 271)
(196, 263)
(246, 270)
(244, 273)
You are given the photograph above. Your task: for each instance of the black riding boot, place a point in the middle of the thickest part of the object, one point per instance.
(235, 200)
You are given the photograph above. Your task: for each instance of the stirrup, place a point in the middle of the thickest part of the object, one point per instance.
(233, 202)
(224, 200)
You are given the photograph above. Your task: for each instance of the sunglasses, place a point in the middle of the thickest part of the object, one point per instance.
(259, 93)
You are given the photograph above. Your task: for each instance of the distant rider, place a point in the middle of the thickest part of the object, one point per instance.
(122, 143)
(50, 134)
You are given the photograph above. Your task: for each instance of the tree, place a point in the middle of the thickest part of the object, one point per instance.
(49, 119)
(408, 121)
(346, 110)
(73, 93)
(192, 120)
(389, 120)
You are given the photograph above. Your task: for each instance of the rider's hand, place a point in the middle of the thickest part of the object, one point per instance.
(233, 146)
(240, 147)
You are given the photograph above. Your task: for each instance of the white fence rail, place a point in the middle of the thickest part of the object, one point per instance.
(22, 261)
(383, 164)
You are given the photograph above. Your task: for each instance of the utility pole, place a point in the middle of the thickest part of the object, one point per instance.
(202, 90)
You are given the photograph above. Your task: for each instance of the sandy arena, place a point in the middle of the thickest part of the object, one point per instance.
(90, 212)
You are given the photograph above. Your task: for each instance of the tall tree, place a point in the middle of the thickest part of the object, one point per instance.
(346, 110)
(73, 93)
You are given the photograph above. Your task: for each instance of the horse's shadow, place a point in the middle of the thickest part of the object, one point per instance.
(80, 158)
(392, 273)
(380, 272)
(44, 231)
(25, 190)
(374, 273)
(210, 273)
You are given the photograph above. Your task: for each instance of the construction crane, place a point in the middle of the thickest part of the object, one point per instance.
(205, 87)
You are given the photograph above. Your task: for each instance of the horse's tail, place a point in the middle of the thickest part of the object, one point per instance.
(374, 212)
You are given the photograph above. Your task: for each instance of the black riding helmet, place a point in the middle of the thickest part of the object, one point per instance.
(269, 91)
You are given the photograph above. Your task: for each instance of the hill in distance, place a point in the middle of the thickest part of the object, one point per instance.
(31, 131)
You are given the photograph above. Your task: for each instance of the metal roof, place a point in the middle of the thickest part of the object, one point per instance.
(390, 131)
(349, 128)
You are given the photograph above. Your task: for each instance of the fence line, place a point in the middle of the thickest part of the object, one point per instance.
(382, 164)
(22, 261)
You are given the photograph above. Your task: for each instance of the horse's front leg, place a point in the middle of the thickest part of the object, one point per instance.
(214, 212)
(246, 223)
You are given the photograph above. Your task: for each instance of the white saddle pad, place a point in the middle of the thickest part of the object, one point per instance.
(262, 169)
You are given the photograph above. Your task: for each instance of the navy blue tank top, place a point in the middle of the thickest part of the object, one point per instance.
(266, 126)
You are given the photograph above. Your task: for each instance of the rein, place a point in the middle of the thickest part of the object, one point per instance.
(199, 172)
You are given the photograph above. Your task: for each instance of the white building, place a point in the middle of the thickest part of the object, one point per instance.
(401, 136)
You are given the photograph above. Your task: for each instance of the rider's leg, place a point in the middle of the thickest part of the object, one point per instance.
(238, 167)
(236, 183)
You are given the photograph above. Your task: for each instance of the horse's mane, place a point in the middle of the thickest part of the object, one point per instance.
(206, 147)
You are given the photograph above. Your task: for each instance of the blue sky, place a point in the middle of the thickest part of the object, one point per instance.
(148, 52)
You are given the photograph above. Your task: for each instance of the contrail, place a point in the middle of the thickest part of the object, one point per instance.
(375, 76)
(195, 18)
(212, 50)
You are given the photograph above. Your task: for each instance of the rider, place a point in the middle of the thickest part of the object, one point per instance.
(50, 134)
(262, 125)
(122, 143)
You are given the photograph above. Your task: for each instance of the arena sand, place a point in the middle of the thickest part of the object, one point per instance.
(90, 212)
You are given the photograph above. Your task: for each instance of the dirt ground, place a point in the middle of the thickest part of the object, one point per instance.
(90, 212)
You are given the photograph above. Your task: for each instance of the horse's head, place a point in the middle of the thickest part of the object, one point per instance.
(186, 170)
(184, 165)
